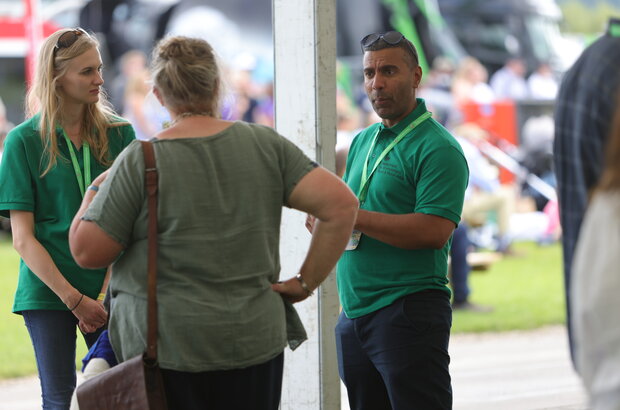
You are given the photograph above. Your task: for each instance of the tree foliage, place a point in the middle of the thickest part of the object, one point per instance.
(597, 16)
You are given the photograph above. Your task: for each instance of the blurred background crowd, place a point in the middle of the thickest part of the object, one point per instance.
(491, 73)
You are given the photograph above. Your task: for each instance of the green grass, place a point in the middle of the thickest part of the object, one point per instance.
(525, 291)
(16, 352)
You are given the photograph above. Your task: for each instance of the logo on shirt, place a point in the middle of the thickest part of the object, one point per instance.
(390, 169)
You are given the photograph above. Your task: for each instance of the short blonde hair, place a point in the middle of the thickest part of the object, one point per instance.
(187, 74)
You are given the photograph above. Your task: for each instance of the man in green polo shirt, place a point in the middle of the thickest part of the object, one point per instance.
(410, 176)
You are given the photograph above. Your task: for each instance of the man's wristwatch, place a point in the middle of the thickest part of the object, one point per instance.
(303, 284)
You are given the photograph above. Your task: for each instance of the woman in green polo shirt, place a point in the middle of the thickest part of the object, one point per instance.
(71, 136)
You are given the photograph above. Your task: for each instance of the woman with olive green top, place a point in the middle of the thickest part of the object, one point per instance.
(71, 137)
(221, 189)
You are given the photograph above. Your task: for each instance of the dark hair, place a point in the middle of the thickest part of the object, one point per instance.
(610, 178)
(380, 44)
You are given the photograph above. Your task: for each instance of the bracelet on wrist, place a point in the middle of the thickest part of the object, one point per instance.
(101, 297)
(303, 284)
(93, 188)
(78, 303)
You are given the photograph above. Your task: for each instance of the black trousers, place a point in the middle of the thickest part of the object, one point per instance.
(256, 387)
(397, 357)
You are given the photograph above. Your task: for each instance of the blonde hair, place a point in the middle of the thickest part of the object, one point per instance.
(610, 179)
(470, 69)
(43, 98)
(186, 72)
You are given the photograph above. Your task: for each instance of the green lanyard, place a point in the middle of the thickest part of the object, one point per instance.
(365, 180)
(82, 182)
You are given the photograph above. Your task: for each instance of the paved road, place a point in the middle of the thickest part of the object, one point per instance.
(515, 371)
(500, 371)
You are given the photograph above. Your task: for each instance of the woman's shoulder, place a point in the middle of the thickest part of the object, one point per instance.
(120, 131)
(255, 129)
(27, 132)
(119, 122)
(261, 135)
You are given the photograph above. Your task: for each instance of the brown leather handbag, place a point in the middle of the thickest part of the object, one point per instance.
(135, 384)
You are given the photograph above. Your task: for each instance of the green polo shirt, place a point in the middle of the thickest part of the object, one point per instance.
(53, 199)
(425, 172)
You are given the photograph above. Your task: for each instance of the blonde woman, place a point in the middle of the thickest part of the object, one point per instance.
(70, 137)
(221, 188)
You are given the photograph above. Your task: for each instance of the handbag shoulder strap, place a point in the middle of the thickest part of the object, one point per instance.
(150, 179)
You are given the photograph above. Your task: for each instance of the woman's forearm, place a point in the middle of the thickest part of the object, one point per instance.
(328, 240)
(90, 313)
(38, 259)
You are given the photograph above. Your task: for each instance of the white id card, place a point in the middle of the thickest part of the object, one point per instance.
(354, 240)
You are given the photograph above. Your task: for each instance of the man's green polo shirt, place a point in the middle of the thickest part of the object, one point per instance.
(425, 172)
(53, 199)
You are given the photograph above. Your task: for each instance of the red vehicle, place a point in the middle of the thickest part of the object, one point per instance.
(17, 33)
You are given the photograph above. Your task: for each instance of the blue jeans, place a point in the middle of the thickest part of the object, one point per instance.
(53, 336)
(397, 357)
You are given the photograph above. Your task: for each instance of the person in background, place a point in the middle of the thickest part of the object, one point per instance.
(541, 84)
(509, 81)
(131, 63)
(436, 90)
(485, 193)
(460, 270)
(441, 73)
(222, 311)
(535, 154)
(70, 137)
(595, 284)
(136, 108)
(584, 109)
(100, 357)
(469, 84)
(5, 126)
(410, 176)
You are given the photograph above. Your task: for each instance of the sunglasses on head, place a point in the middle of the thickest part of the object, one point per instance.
(391, 37)
(68, 38)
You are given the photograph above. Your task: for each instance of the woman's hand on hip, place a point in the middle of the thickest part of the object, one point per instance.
(291, 290)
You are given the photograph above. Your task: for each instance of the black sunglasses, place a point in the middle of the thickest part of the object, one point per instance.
(68, 38)
(391, 37)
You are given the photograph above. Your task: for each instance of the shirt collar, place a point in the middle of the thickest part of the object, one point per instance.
(417, 111)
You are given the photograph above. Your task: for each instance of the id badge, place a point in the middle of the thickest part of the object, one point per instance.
(354, 240)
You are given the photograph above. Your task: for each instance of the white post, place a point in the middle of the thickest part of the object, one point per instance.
(305, 106)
